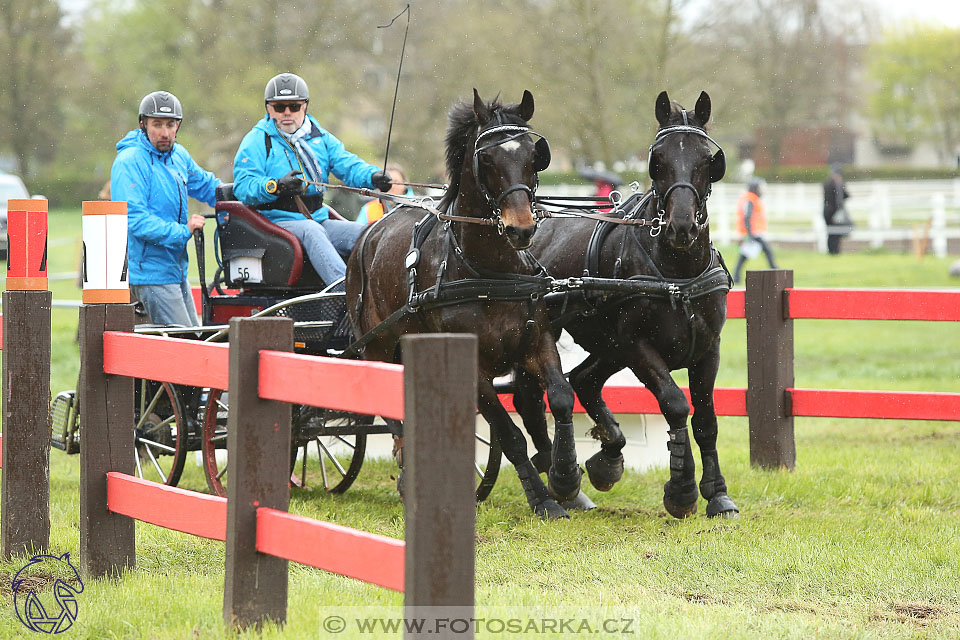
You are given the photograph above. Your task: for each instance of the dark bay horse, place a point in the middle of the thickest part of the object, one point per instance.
(471, 274)
(674, 324)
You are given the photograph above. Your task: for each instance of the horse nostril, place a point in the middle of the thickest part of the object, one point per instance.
(521, 236)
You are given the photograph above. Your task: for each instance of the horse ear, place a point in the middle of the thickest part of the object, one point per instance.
(662, 110)
(702, 110)
(526, 106)
(480, 109)
(718, 166)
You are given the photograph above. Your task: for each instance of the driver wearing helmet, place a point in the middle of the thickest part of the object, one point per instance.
(285, 149)
(155, 175)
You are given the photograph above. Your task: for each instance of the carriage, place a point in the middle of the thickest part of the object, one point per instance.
(650, 302)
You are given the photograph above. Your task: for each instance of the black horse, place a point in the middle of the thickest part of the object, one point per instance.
(671, 320)
(471, 274)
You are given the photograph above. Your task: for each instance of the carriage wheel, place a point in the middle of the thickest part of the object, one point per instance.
(487, 475)
(340, 439)
(213, 439)
(160, 431)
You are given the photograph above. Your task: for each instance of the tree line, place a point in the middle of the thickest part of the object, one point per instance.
(72, 86)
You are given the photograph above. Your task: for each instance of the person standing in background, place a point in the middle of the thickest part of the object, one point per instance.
(751, 225)
(834, 211)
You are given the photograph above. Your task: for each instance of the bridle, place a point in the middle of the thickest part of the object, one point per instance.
(701, 217)
(541, 149)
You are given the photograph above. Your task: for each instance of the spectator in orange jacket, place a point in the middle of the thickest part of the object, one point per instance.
(751, 225)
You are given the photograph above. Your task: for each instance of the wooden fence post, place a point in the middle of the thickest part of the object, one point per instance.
(769, 369)
(258, 451)
(440, 400)
(107, 543)
(25, 502)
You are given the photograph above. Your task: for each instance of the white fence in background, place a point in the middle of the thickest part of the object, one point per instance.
(883, 212)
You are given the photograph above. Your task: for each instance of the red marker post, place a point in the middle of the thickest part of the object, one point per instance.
(27, 245)
(25, 492)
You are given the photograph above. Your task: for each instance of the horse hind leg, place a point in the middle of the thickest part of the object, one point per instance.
(604, 468)
(514, 446)
(713, 486)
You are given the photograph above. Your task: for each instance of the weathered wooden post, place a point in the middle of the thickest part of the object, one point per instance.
(25, 494)
(107, 543)
(769, 369)
(440, 380)
(258, 449)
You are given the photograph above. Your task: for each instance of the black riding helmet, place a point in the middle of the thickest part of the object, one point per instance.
(286, 86)
(160, 104)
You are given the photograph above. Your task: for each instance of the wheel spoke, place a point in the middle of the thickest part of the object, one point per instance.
(157, 445)
(479, 470)
(346, 442)
(482, 439)
(156, 465)
(333, 459)
(153, 403)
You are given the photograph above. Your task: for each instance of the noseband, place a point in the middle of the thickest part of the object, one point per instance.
(515, 131)
(700, 218)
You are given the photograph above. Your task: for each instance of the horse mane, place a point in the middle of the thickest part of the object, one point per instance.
(462, 130)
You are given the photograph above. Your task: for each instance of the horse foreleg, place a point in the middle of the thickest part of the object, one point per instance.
(564, 476)
(528, 401)
(605, 467)
(712, 485)
(514, 446)
(680, 492)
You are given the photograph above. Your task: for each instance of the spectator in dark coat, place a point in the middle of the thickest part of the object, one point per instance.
(834, 211)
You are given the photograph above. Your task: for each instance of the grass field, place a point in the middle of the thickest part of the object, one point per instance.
(859, 541)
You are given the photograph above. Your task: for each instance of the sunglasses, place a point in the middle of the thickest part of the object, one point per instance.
(280, 107)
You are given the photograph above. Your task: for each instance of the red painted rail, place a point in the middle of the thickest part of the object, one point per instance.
(888, 405)
(736, 304)
(637, 399)
(342, 550)
(374, 388)
(873, 304)
(176, 360)
(195, 513)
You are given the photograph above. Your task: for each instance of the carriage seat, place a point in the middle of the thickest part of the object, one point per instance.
(252, 246)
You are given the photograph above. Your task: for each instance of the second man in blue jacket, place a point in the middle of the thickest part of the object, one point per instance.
(282, 150)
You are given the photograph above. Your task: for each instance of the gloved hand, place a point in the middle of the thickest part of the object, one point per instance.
(381, 181)
(288, 185)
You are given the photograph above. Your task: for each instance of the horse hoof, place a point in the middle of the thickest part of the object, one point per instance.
(581, 503)
(604, 471)
(678, 511)
(541, 460)
(680, 503)
(564, 488)
(721, 505)
(550, 510)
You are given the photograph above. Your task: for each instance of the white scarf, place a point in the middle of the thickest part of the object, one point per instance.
(298, 140)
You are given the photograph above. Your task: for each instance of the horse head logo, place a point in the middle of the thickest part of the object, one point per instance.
(54, 616)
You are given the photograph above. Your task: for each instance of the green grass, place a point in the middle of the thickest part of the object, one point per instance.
(859, 541)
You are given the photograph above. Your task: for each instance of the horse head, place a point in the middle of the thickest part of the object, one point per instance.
(683, 168)
(500, 171)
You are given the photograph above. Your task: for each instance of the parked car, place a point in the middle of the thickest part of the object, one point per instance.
(11, 187)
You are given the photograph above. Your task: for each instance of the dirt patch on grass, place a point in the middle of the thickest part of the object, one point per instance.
(920, 613)
(36, 582)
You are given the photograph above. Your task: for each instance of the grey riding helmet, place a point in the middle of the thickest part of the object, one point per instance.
(286, 86)
(160, 104)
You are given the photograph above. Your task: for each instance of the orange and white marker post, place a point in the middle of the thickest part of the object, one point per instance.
(27, 245)
(105, 253)
(25, 484)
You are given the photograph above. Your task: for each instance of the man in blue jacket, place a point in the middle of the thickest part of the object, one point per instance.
(155, 175)
(282, 150)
